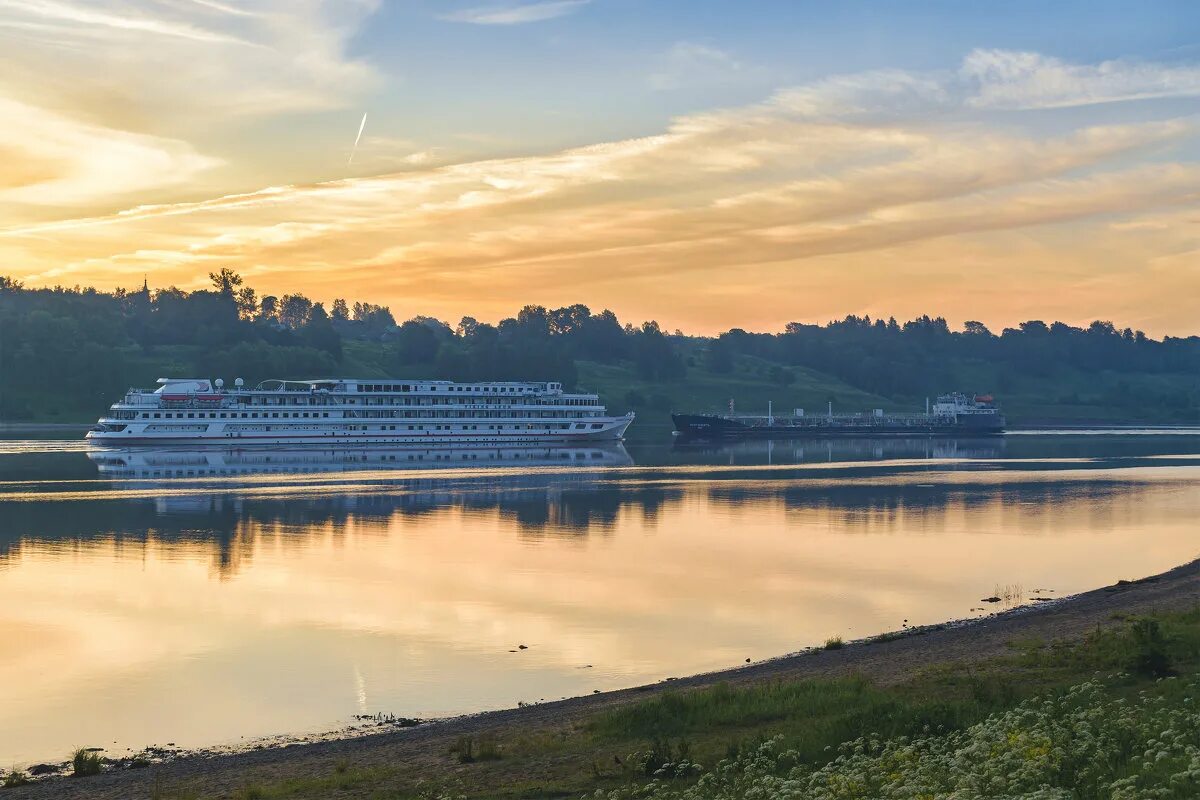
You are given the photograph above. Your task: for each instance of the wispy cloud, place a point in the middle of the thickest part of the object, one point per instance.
(1012, 80)
(130, 21)
(515, 14)
(183, 60)
(692, 63)
(65, 162)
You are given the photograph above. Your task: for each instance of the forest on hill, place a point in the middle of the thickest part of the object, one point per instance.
(66, 353)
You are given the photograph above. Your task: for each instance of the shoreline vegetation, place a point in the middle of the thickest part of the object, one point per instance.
(76, 350)
(1046, 691)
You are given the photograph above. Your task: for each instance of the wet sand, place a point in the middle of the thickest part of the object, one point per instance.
(884, 662)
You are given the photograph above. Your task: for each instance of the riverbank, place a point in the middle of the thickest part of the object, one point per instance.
(568, 747)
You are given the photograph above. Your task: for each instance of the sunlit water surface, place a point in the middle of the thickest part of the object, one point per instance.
(210, 597)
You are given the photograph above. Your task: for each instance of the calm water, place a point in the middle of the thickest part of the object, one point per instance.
(202, 597)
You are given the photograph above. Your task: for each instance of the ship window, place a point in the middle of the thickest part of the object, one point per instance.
(597, 425)
(158, 416)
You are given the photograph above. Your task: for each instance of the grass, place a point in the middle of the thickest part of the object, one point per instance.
(14, 779)
(343, 780)
(834, 643)
(468, 749)
(630, 744)
(85, 763)
(748, 386)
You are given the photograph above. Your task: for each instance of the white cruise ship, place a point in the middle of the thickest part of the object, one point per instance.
(369, 411)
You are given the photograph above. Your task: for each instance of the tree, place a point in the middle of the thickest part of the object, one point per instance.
(225, 281)
(340, 312)
(415, 343)
(247, 303)
(718, 357)
(294, 310)
(268, 309)
(466, 327)
(318, 332)
(654, 356)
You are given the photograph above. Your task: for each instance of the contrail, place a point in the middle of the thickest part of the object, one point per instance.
(354, 149)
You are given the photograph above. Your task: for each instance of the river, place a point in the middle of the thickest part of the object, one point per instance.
(209, 598)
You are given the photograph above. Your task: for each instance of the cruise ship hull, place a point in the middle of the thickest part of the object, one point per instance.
(705, 426)
(610, 430)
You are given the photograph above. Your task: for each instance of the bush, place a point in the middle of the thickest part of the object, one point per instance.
(15, 778)
(469, 750)
(85, 763)
(1149, 655)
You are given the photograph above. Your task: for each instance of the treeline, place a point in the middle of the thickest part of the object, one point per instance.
(98, 343)
(906, 360)
(92, 345)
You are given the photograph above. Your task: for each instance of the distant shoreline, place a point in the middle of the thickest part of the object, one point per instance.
(23, 427)
(887, 659)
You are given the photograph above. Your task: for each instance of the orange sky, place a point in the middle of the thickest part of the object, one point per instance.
(1010, 186)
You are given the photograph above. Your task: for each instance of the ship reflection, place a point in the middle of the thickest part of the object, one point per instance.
(801, 451)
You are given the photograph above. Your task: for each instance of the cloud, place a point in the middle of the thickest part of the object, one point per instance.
(846, 193)
(517, 14)
(690, 63)
(65, 162)
(84, 16)
(1015, 80)
(182, 61)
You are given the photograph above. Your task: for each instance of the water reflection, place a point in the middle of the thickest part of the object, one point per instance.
(198, 596)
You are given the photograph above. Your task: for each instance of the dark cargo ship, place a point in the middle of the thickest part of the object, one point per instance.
(955, 414)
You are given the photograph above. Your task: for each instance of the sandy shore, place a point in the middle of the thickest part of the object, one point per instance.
(884, 662)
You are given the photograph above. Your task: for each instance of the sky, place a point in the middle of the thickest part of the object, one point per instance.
(705, 164)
